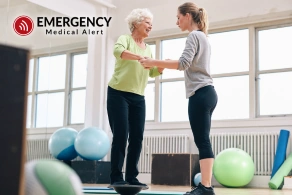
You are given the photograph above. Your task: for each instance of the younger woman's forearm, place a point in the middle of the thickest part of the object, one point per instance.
(169, 64)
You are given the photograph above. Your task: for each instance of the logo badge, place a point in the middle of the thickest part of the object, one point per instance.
(23, 25)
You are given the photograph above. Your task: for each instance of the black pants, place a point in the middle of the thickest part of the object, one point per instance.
(201, 107)
(126, 113)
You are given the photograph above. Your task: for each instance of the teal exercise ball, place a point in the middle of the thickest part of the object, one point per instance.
(197, 179)
(51, 177)
(92, 143)
(233, 167)
(61, 144)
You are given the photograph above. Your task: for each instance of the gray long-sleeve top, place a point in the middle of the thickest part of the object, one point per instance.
(195, 61)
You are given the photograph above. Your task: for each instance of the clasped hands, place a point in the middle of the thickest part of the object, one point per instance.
(146, 62)
(149, 63)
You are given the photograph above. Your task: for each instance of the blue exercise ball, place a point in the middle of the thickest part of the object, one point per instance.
(92, 143)
(197, 179)
(61, 144)
(233, 167)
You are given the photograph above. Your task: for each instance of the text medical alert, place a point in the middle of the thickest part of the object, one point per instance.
(73, 32)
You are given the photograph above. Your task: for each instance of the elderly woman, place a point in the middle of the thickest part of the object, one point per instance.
(125, 98)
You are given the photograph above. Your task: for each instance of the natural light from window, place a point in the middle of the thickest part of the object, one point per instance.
(275, 93)
(233, 98)
(149, 100)
(229, 52)
(174, 103)
(79, 70)
(275, 48)
(50, 110)
(51, 72)
(172, 49)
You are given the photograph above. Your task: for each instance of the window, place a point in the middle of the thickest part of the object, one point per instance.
(78, 88)
(229, 51)
(29, 97)
(30, 76)
(56, 90)
(274, 71)
(172, 49)
(275, 93)
(51, 73)
(28, 115)
(150, 90)
(229, 68)
(275, 46)
(233, 97)
(50, 91)
(77, 106)
(174, 105)
(50, 109)
(150, 100)
(153, 50)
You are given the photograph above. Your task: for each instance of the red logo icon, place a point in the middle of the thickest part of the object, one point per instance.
(23, 25)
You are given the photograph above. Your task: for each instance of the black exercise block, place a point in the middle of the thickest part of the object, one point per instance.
(97, 172)
(14, 68)
(174, 169)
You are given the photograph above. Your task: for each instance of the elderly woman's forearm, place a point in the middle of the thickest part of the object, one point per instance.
(127, 55)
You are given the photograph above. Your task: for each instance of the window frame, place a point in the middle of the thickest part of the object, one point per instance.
(67, 90)
(258, 72)
(71, 88)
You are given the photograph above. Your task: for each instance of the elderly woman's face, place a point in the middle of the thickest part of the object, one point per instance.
(144, 27)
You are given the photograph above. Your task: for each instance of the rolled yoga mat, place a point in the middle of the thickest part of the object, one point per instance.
(283, 171)
(281, 151)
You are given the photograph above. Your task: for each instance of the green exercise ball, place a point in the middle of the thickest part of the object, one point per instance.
(51, 177)
(233, 168)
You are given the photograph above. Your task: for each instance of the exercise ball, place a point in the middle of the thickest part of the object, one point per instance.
(61, 144)
(51, 177)
(92, 143)
(197, 179)
(233, 167)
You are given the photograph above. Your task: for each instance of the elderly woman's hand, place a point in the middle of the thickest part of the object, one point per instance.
(147, 62)
(160, 70)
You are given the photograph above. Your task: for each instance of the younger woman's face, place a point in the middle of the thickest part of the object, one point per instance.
(182, 21)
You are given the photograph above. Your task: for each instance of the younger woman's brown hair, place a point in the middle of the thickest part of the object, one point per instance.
(199, 15)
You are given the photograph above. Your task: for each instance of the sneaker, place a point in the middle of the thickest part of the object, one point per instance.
(137, 183)
(201, 190)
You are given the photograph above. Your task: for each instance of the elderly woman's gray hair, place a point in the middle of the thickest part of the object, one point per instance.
(137, 16)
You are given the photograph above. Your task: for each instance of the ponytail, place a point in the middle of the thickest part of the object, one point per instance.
(203, 22)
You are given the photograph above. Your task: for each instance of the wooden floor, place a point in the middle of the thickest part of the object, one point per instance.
(218, 190)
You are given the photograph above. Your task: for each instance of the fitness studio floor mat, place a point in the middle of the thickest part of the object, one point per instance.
(146, 192)
(96, 188)
(99, 192)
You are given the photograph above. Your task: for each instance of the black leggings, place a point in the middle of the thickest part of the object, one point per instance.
(126, 113)
(201, 107)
